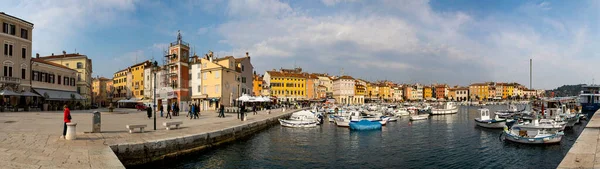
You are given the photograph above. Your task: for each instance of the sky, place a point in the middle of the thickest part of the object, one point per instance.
(457, 42)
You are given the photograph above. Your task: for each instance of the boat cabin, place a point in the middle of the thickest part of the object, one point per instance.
(485, 114)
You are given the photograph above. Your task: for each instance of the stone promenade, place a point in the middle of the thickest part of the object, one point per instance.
(32, 139)
(585, 153)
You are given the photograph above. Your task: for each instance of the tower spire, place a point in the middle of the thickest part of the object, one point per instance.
(179, 36)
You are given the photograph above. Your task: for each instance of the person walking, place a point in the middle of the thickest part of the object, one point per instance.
(169, 112)
(254, 109)
(161, 110)
(192, 111)
(197, 111)
(242, 110)
(222, 111)
(66, 119)
(149, 111)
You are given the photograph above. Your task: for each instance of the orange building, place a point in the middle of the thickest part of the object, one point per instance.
(257, 84)
(177, 66)
(312, 81)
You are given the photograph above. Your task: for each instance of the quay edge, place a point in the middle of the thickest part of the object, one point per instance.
(585, 152)
(133, 154)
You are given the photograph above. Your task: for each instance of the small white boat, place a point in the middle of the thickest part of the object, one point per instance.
(419, 117)
(543, 132)
(485, 121)
(448, 108)
(300, 119)
(401, 112)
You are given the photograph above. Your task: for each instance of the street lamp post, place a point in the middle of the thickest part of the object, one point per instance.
(155, 69)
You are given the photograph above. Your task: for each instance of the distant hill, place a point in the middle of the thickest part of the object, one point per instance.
(565, 90)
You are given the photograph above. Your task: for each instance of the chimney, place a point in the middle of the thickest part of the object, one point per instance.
(37, 55)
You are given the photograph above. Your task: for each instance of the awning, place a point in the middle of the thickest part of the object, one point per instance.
(59, 94)
(8, 93)
(31, 94)
(202, 96)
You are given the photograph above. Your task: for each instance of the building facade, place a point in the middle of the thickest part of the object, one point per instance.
(343, 89)
(257, 84)
(100, 93)
(441, 91)
(287, 85)
(138, 79)
(16, 39)
(83, 65)
(246, 70)
(55, 82)
(427, 93)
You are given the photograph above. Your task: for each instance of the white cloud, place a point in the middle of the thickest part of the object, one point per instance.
(202, 30)
(334, 2)
(406, 41)
(257, 8)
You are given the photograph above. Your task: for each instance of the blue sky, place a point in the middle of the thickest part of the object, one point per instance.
(454, 42)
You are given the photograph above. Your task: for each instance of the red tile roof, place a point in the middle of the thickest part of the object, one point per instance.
(39, 60)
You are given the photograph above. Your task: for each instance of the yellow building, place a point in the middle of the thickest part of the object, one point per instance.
(384, 92)
(120, 84)
(479, 91)
(287, 85)
(427, 93)
(83, 65)
(372, 91)
(137, 79)
(99, 91)
(220, 80)
(359, 89)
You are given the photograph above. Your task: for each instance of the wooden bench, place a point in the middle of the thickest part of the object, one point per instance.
(134, 126)
(176, 123)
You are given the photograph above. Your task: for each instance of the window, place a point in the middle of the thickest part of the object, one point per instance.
(79, 90)
(204, 75)
(242, 67)
(216, 88)
(12, 29)
(243, 79)
(4, 27)
(23, 52)
(5, 70)
(204, 89)
(79, 77)
(217, 75)
(199, 88)
(67, 65)
(198, 76)
(10, 71)
(59, 79)
(23, 73)
(8, 49)
(72, 82)
(24, 33)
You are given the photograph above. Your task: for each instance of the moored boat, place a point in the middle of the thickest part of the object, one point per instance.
(365, 125)
(543, 132)
(485, 121)
(448, 108)
(300, 119)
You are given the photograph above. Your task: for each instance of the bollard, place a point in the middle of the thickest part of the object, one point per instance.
(96, 122)
(71, 135)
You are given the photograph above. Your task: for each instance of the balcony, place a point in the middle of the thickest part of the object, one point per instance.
(12, 80)
(177, 43)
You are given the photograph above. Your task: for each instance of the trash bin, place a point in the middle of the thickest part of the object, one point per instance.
(96, 122)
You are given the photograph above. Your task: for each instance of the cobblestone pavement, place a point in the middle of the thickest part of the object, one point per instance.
(32, 139)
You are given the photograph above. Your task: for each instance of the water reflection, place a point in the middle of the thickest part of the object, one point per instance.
(451, 141)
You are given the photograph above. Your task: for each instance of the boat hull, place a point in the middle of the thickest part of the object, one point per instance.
(365, 125)
(491, 124)
(555, 139)
(289, 123)
(591, 107)
(342, 122)
(418, 117)
(444, 111)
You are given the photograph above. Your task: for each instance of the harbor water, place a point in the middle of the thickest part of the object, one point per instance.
(450, 141)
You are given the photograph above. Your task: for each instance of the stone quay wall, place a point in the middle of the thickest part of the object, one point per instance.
(132, 154)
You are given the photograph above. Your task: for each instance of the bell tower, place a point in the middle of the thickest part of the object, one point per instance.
(177, 65)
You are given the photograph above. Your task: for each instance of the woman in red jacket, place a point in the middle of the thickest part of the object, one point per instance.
(67, 119)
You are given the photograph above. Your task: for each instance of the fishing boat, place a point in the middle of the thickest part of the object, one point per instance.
(485, 121)
(300, 119)
(544, 131)
(448, 108)
(401, 112)
(414, 115)
(365, 125)
(344, 120)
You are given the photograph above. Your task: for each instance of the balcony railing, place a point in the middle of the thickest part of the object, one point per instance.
(6, 79)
